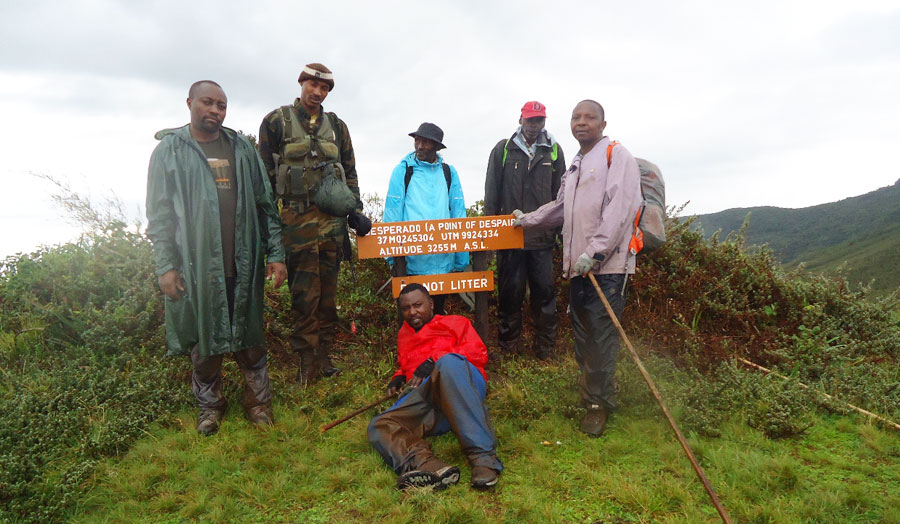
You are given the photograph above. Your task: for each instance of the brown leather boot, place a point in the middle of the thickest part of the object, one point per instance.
(484, 477)
(447, 475)
(208, 421)
(326, 367)
(260, 416)
(594, 421)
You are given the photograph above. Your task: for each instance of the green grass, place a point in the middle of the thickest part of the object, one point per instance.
(840, 470)
(96, 424)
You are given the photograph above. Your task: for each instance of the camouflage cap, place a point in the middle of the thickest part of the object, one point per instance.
(319, 72)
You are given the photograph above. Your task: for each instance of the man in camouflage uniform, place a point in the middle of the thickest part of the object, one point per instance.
(299, 143)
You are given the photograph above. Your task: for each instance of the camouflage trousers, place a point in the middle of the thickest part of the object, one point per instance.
(312, 242)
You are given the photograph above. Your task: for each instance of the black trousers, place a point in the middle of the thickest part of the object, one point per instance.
(596, 338)
(516, 267)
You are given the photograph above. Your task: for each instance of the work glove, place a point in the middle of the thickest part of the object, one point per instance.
(518, 214)
(421, 373)
(396, 384)
(584, 264)
(360, 223)
(425, 368)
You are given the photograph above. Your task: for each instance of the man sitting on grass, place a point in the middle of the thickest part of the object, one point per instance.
(444, 358)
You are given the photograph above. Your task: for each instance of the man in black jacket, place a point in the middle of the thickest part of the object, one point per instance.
(524, 173)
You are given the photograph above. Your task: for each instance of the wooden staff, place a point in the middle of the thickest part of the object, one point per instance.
(659, 400)
(869, 414)
(347, 417)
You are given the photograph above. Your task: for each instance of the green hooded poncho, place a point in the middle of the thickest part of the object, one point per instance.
(183, 224)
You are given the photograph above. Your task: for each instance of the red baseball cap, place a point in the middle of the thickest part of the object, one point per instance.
(533, 109)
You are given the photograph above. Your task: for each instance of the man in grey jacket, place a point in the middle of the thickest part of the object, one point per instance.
(524, 172)
(596, 206)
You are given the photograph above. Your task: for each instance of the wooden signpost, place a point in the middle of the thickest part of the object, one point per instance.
(447, 283)
(452, 235)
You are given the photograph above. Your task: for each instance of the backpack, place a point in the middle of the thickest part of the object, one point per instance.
(409, 173)
(650, 220)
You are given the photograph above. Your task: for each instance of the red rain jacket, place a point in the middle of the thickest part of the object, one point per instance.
(442, 335)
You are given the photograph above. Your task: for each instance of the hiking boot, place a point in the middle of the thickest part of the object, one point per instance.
(510, 347)
(543, 352)
(484, 477)
(208, 421)
(417, 479)
(594, 421)
(260, 416)
(447, 475)
(327, 368)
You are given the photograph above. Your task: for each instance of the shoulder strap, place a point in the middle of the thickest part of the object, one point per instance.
(409, 172)
(554, 154)
(505, 152)
(446, 174)
(406, 179)
(609, 150)
(286, 117)
(336, 127)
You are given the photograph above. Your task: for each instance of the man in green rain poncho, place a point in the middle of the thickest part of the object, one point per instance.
(216, 236)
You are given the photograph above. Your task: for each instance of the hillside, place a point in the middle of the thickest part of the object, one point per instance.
(862, 232)
(97, 425)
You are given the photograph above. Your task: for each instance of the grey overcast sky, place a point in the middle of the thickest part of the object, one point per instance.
(781, 103)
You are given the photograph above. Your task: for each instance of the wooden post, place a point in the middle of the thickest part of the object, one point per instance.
(480, 263)
(399, 270)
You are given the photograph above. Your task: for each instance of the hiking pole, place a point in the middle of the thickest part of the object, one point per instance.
(659, 400)
(869, 414)
(347, 417)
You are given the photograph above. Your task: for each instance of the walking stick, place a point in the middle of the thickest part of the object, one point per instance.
(347, 417)
(879, 418)
(659, 400)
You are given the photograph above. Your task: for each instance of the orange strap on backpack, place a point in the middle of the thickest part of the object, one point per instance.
(609, 149)
(636, 244)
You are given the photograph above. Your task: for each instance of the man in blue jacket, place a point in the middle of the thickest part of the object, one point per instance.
(423, 187)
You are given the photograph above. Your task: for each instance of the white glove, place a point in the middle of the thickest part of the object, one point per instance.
(584, 264)
(518, 214)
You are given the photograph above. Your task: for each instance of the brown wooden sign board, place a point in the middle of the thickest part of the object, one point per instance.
(446, 283)
(450, 235)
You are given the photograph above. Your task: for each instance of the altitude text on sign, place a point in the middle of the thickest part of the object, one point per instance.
(446, 283)
(451, 235)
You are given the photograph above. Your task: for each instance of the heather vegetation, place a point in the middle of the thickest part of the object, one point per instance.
(856, 238)
(96, 425)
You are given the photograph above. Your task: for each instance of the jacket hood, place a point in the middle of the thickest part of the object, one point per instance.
(412, 160)
(184, 133)
(544, 139)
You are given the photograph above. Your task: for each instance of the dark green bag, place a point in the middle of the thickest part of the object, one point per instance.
(332, 195)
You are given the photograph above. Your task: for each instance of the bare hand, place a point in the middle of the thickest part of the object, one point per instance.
(414, 382)
(171, 285)
(279, 270)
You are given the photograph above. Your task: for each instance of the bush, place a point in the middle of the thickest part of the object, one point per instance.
(81, 346)
(706, 302)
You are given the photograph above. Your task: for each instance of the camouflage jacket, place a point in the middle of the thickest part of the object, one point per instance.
(271, 141)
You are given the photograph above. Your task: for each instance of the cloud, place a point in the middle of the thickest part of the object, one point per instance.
(739, 104)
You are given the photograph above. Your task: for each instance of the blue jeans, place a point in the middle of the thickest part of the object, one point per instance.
(451, 399)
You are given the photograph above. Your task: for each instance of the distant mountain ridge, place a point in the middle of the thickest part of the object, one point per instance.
(861, 231)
